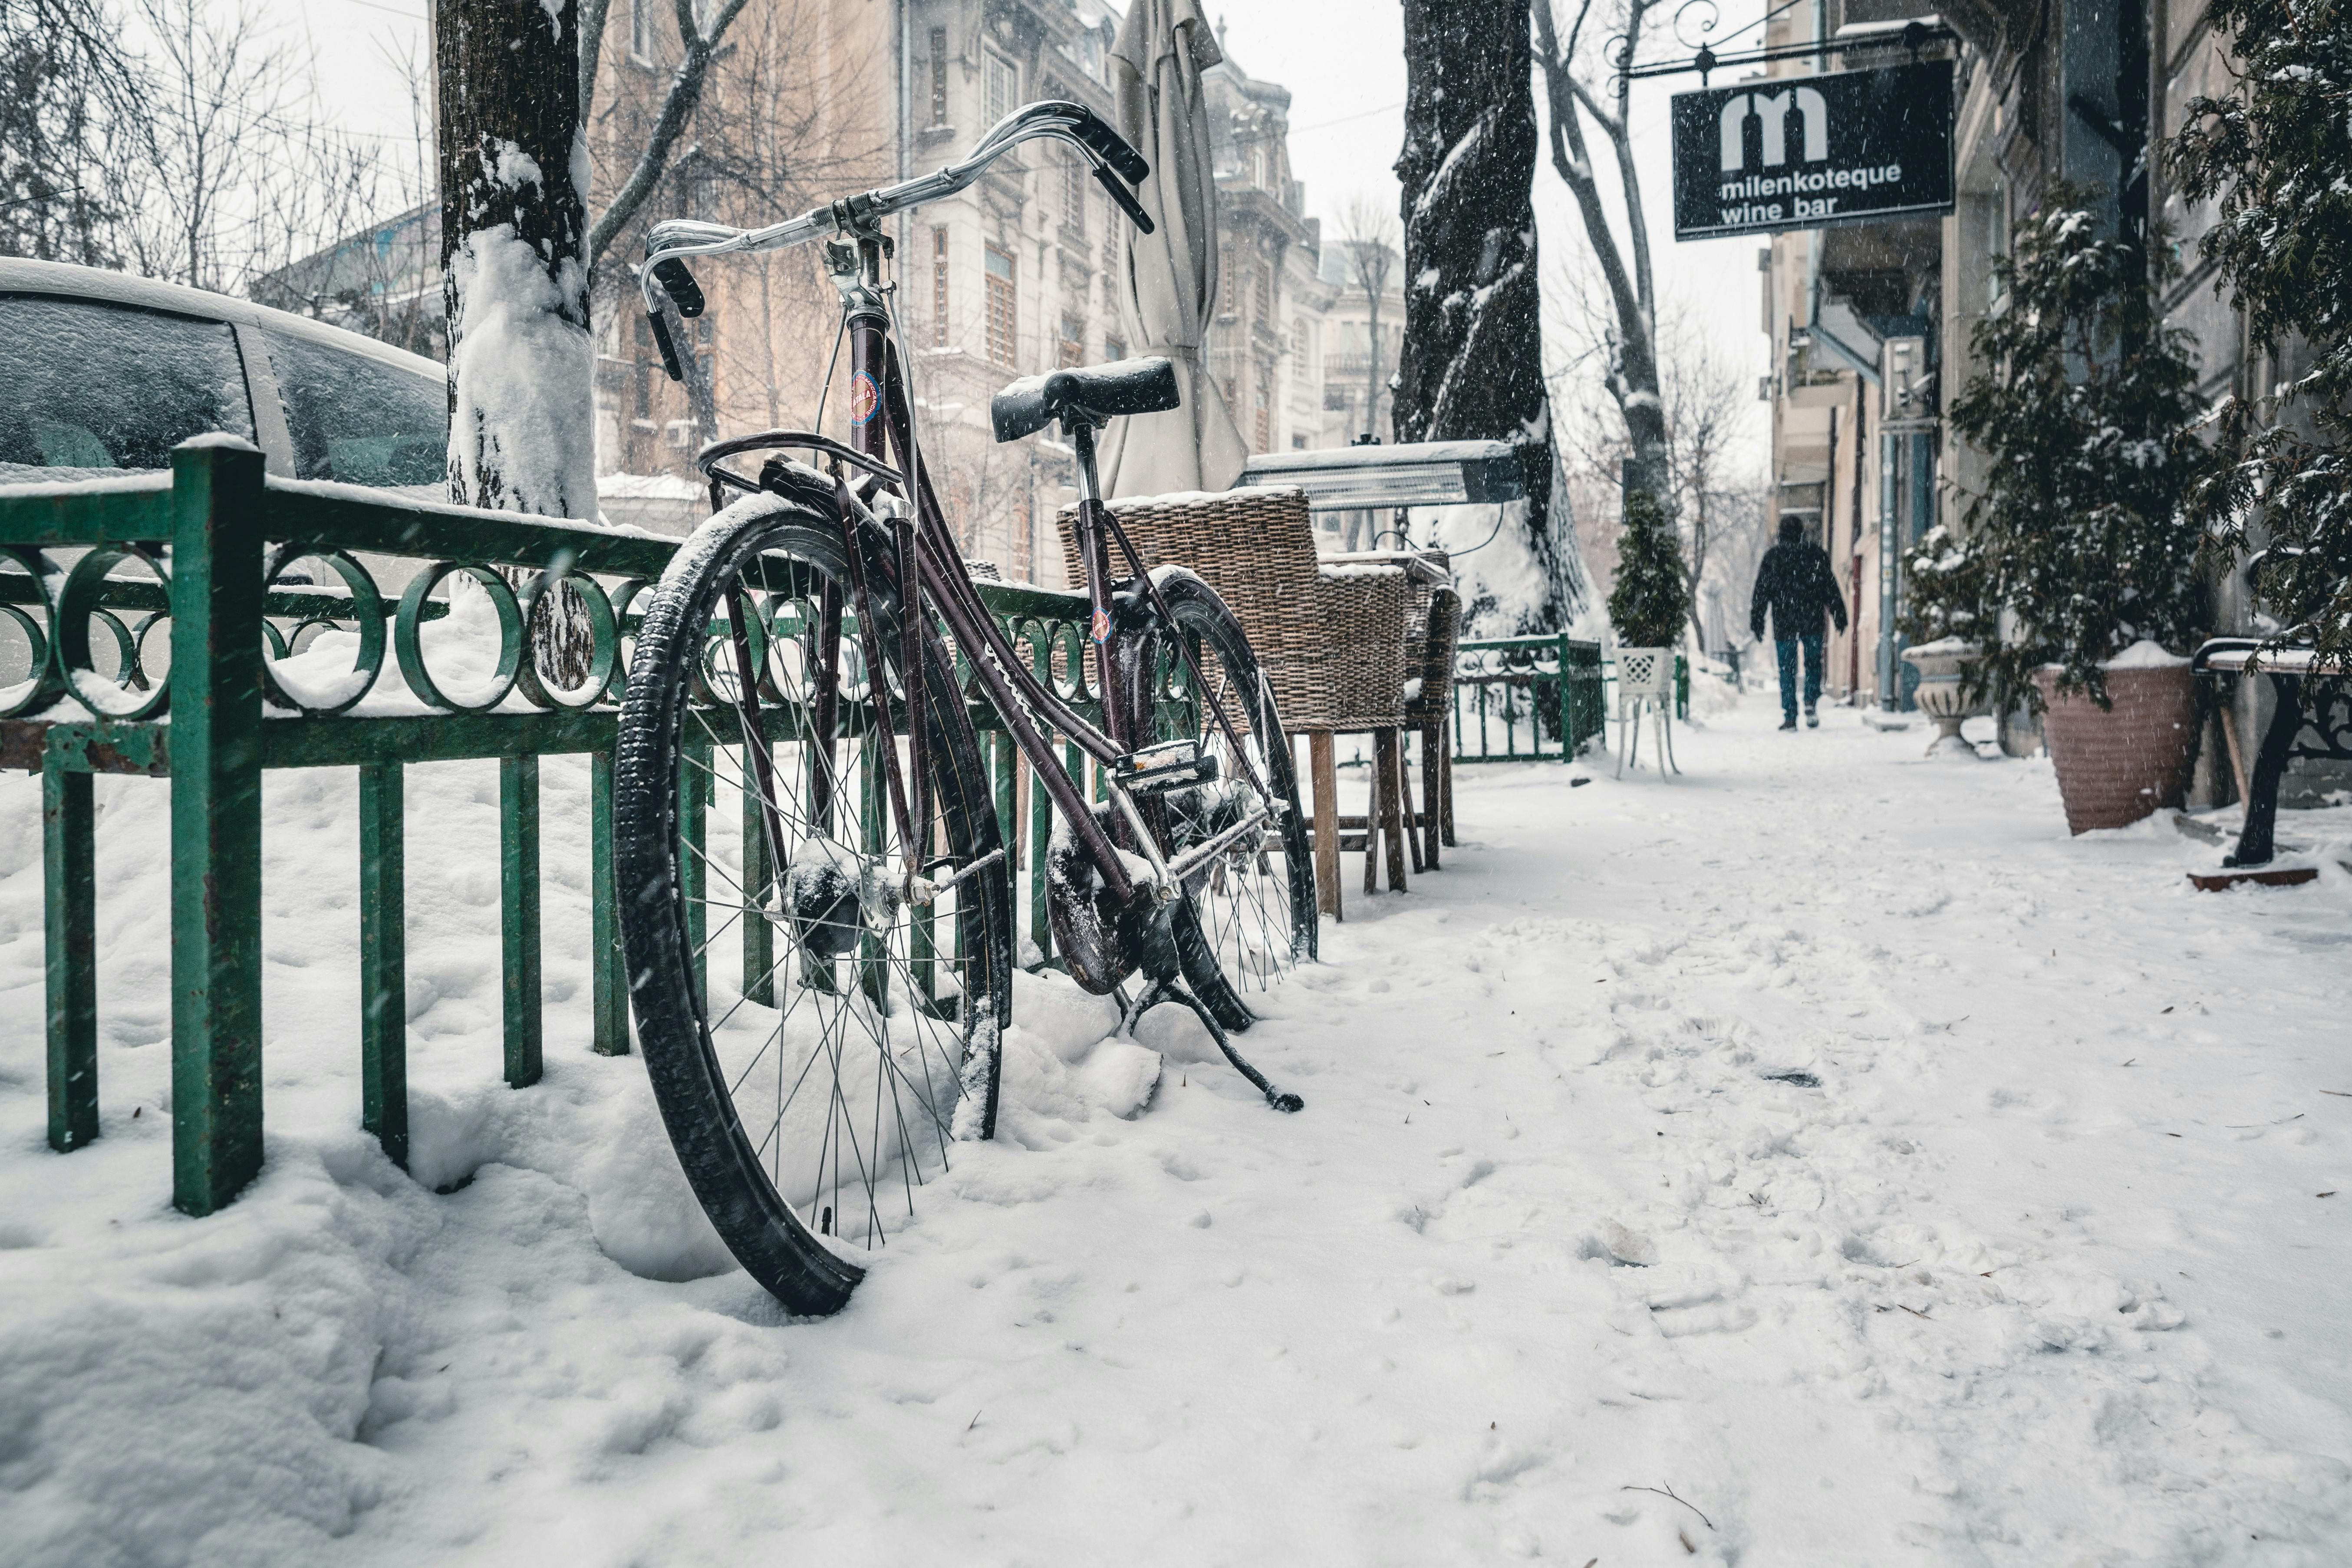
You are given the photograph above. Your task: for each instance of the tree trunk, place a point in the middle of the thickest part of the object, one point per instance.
(514, 269)
(1472, 366)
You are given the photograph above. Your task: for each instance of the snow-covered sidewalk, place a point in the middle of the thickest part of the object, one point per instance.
(1818, 1159)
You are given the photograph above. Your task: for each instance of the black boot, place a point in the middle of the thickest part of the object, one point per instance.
(1812, 720)
(1790, 722)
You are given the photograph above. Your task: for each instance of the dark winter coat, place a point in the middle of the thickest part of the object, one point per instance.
(1796, 582)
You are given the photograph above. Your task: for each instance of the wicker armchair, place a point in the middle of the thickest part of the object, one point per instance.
(1332, 640)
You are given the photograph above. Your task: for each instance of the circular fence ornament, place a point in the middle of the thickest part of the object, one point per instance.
(127, 695)
(407, 645)
(544, 592)
(41, 685)
(366, 611)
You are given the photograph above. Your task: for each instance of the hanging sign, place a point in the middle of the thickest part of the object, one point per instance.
(1806, 151)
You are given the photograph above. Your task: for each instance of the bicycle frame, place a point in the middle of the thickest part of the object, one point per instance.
(926, 562)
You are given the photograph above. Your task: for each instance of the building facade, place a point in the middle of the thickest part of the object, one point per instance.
(1855, 316)
(810, 99)
(1016, 274)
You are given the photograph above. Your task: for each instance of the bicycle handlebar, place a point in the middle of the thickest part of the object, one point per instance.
(671, 242)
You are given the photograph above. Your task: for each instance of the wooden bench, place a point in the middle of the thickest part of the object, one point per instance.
(2312, 718)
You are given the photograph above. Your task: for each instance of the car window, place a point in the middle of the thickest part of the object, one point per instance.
(86, 384)
(358, 419)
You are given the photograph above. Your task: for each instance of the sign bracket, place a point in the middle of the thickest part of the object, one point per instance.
(1914, 35)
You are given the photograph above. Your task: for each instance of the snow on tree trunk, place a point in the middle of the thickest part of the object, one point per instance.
(514, 177)
(1472, 366)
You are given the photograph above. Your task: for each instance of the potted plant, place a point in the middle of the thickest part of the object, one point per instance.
(1651, 596)
(2076, 572)
(1938, 613)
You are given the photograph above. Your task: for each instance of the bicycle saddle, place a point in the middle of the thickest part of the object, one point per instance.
(1091, 394)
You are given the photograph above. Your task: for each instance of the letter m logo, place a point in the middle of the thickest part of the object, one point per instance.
(1773, 108)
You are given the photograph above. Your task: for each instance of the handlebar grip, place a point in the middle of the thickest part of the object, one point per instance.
(1095, 133)
(668, 349)
(1125, 199)
(678, 283)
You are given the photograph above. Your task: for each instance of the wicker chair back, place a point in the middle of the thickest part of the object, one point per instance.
(1332, 641)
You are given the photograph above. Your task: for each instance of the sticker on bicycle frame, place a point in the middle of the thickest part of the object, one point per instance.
(863, 398)
(1101, 626)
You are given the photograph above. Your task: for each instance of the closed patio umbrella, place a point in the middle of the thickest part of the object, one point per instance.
(1170, 289)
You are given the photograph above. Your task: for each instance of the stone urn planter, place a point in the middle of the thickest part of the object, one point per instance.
(2117, 765)
(1942, 695)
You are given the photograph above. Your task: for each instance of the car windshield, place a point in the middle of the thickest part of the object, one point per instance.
(358, 419)
(87, 386)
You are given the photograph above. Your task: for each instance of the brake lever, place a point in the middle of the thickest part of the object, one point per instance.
(670, 362)
(1124, 199)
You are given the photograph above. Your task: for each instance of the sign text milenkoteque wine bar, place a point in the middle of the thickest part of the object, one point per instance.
(1806, 151)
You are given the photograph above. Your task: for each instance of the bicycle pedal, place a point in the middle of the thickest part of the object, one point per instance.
(1170, 765)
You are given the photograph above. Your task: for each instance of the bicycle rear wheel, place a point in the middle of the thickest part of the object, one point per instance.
(1250, 916)
(817, 1041)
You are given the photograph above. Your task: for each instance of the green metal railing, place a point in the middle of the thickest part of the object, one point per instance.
(218, 541)
(1525, 699)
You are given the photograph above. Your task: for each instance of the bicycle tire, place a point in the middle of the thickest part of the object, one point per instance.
(783, 546)
(1249, 917)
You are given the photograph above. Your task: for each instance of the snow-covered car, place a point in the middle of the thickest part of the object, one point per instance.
(102, 372)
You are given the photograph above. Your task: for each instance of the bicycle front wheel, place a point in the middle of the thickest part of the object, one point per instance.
(818, 1033)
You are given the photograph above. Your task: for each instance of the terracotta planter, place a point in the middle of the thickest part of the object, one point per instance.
(2116, 766)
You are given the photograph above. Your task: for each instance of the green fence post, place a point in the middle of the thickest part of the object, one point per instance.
(519, 915)
(69, 900)
(383, 959)
(759, 877)
(607, 971)
(216, 705)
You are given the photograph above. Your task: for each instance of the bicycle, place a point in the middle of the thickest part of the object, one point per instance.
(817, 650)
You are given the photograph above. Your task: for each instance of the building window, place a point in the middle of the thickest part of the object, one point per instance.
(1074, 339)
(1264, 417)
(940, 287)
(1114, 348)
(1298, 345)
(1265, 294)
(1003, 85)
(939, 76)
(1227, 287)
(1073, 192)
(1004, 321)
(644, 43)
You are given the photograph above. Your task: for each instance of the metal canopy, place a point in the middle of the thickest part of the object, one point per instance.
(1420, 473)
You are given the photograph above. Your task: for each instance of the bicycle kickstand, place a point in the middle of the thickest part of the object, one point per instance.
(1168, 991)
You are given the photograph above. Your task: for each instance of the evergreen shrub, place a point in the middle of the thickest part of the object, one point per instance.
(1647, 603)
(2083, 410)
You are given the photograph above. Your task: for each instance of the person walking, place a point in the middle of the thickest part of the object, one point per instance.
(1796, 582)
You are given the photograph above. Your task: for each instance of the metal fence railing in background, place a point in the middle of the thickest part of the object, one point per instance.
(1531, 698)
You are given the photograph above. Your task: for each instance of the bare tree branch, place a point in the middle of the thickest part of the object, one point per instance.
(592, 14)
(677, 108)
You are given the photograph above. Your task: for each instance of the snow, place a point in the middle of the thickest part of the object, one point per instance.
(1823, 1137)
(2146, 654)
(521, 377)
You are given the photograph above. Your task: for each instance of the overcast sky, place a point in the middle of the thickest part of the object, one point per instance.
(1343, 61)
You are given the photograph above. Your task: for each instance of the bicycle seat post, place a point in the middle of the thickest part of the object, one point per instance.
(1081, 440)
